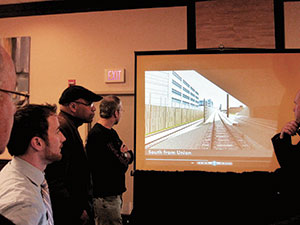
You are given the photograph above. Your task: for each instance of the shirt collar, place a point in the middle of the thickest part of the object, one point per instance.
(76, 121)
(32, 173)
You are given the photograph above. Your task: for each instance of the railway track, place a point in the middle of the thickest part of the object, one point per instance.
(216, 134)
(222, 136)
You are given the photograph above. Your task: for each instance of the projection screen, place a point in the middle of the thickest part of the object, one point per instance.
(212, 111)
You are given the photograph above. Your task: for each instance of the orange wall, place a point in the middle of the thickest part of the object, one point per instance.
(80, 46)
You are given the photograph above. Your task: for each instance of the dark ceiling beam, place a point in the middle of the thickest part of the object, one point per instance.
(58, 7)
(279, 24)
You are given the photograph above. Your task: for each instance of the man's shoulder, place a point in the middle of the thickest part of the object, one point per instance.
(11, 174)
(63, 120)
(98, 133)
(97, 128)
(66, 126)
(13, 181)
(17, 178)
(18, 192)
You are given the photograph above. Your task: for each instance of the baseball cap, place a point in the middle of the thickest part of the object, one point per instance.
(75, 92)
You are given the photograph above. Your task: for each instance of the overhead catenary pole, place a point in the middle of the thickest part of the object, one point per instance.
(204, 116)
(227, 111)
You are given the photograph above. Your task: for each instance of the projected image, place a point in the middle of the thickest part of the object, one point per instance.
(190, 119)
(212, 111)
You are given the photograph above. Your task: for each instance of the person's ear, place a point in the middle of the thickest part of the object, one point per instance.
(73, 106)
(37, 143)
(116, 113)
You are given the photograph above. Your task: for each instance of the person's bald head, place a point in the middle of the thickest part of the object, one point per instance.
(7, 107)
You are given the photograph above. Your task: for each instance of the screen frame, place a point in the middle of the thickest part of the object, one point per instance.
(219, 51)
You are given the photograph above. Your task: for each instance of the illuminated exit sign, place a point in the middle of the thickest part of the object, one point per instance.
(114, 76)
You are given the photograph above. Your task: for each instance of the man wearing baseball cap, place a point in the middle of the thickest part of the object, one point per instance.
(69, 178)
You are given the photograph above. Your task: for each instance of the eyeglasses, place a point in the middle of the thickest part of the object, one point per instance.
(86, 104)
(19, 99)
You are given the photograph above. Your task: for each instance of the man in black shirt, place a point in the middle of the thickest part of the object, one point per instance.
(109, 158)
(69, 179)
(288, 156)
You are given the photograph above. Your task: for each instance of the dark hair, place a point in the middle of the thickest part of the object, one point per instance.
(108, 106)
(29, 121)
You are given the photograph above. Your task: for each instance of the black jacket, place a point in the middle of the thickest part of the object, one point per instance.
(287, 180)
(69, 178)
(288, 155)
(108, 164)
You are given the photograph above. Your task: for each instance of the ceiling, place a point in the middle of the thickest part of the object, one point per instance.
(7, 2)
(15, 8)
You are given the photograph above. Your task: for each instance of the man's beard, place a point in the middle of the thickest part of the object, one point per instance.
(52, 157)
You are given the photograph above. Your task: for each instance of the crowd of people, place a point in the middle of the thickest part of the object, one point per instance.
(53, 178)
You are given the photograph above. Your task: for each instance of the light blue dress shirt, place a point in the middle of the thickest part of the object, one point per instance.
(20, 193)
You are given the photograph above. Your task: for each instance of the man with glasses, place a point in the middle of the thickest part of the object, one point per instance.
(7, 107)
(109, 159)
(69, 179)
(8, 98)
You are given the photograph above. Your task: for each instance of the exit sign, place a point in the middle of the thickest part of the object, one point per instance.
(114, 76)
(71, 82)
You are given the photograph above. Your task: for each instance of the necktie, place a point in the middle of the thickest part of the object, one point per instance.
(47, 201)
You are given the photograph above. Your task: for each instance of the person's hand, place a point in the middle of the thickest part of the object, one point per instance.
(290, 128)
(84, 217)
(124, 148)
